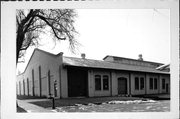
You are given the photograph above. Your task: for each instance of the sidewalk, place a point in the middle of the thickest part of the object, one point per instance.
(31, 107)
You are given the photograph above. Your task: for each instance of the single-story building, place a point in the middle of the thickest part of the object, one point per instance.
(60, 76)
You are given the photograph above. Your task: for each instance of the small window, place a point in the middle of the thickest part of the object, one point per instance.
(151, 83)
(136, 83)
(105, 82)
(97, 82)
(155, 83)
(163, 83)
(141, 83)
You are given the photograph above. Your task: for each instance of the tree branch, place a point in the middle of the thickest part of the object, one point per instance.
(44, 19)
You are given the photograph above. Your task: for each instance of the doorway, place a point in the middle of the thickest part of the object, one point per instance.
(122, 85)
(77, 82)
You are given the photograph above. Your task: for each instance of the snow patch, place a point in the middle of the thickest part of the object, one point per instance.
(131, 102)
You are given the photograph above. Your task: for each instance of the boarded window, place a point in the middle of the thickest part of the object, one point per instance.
(136, 83)
(28, 86)
(163, 83)
(49, 82)
(155, 83)
(105, 82)
(24, 87)
(151, 83)
(40, 81)
(141, 83)
(33, 91)
(19, 88)
(97, 82)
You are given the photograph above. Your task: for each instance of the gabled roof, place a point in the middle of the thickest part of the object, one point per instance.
(35, 50)
(89, 63)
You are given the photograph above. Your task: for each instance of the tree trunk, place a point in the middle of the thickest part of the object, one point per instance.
(19, 42)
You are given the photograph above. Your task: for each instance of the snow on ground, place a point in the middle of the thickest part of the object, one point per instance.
(120, 106)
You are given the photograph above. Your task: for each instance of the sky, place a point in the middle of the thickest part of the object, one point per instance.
(118, 32)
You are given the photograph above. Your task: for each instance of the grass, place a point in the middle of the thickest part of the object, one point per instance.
(23, 97)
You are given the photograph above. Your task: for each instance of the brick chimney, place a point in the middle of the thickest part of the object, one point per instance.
(83, 55)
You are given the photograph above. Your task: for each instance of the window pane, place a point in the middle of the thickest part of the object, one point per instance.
(105, 82)
(136, 83)
(142, 83)
(151, 83)
(163, 83)
(97, 82)
(155, 83)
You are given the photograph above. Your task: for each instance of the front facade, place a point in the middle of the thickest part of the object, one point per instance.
(56, 75)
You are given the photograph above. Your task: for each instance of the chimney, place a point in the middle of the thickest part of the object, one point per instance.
(83, 55)
(60, 55)
(140, 57)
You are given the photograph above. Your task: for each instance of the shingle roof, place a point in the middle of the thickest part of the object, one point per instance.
(89, 63)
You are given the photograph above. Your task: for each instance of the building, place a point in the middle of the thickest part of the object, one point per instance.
(56, 75)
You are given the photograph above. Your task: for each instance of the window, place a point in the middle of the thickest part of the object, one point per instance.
(141, 83)
(136, 83)
(97, 82)
(163, 83)
(151, 83)
(105, 82)
(155, 83)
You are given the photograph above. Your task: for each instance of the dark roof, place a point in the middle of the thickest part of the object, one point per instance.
(79, 62)
(131, 59)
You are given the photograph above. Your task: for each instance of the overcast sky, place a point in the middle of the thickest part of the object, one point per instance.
(118, 32)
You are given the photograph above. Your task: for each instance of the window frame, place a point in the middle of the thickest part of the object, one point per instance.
(142, 83)
(103, 82)
(163, 84)
(151, 83)
(97, 83)
(136, 83)
(155, 84)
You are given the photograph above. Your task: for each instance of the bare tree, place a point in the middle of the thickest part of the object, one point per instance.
(31, 23)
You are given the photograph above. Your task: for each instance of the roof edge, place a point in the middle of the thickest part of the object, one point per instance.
(36, 49)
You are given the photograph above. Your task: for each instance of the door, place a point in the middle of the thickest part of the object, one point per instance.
(77, 82)
(167, 88)
(122, 85)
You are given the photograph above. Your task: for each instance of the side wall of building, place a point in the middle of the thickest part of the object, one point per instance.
(40, 75)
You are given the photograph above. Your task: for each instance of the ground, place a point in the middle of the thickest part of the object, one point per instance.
(105, 104)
